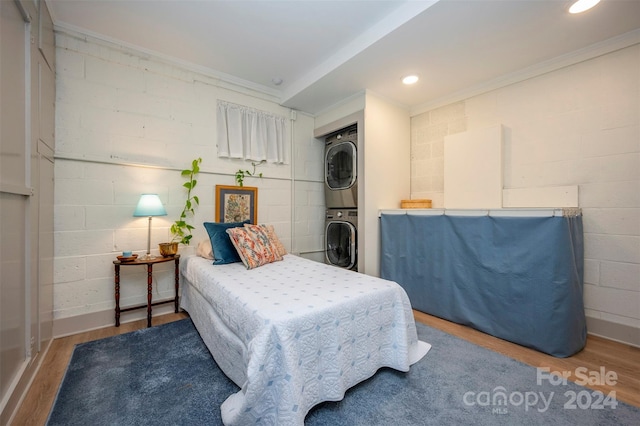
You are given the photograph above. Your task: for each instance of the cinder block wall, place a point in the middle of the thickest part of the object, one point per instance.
(575, 126)
(126, 124)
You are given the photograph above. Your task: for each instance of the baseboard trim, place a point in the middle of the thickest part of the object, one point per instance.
(68, 326)
(62, 327)
(620, 333)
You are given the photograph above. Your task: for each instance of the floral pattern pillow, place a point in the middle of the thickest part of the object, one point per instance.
(273, 238)
(253, 246)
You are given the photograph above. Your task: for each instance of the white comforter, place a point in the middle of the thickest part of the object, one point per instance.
(308, 333)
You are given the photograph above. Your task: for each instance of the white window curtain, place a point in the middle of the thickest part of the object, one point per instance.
(252, 134)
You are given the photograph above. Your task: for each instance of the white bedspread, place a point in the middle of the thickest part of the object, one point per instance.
(308, 332)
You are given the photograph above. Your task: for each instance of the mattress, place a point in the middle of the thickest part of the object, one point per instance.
(294, 333)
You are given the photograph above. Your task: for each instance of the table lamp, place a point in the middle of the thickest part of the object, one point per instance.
(149, 205)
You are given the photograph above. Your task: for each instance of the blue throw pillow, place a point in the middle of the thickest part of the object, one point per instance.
(223, 250)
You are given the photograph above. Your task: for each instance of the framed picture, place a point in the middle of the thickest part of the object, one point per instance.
(236, 203)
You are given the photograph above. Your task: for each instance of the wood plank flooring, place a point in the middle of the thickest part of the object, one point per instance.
(622, 359)
(599, 352)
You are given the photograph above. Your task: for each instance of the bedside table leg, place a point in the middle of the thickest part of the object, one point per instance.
(149, 292)
(117, 289)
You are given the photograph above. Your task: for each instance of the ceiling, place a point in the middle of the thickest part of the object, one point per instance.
(325, 51)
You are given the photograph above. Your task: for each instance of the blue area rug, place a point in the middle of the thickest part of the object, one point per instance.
(165, 376)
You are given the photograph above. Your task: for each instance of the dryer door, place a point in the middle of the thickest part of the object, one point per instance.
(341, 244)
(340, 165)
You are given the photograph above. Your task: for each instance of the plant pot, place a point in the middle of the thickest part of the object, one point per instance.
(168, 249)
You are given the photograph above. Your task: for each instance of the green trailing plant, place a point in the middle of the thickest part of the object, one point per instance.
(181, 229)
(241, 174)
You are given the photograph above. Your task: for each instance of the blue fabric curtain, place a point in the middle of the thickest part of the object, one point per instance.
(517, 278)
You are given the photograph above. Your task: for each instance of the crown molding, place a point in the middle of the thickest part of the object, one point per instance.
(226, 80)
(590, 52)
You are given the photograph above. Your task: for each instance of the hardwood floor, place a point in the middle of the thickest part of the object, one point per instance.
(599, 353)
(622, 359)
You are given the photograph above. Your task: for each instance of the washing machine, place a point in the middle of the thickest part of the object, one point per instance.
(341, 238)
(340, 171)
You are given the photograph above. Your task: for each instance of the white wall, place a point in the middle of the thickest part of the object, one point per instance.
(575, 126)
(126, 124)
(386, 179)
(428, 131)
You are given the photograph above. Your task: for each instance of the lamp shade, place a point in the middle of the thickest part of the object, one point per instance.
(150, 205)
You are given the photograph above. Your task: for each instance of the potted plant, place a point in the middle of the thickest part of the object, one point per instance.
(181, 229)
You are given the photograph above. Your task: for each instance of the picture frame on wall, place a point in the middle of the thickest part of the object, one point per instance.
(236, 204)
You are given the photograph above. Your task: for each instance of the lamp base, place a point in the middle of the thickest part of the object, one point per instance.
(148, 257)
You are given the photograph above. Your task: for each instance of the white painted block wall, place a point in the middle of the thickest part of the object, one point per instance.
(126, 124)
(575, 126)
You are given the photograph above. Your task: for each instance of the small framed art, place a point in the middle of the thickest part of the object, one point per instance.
(236, 204)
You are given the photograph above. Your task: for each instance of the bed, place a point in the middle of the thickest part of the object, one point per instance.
(294, 333)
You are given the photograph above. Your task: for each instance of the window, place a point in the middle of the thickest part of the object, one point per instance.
(251, 134)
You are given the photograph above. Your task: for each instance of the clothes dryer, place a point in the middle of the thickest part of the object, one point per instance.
(340, 171)
(341, 238)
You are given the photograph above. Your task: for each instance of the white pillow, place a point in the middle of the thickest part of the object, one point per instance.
(204, 249)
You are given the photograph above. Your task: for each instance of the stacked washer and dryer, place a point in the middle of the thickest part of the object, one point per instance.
(341, 197)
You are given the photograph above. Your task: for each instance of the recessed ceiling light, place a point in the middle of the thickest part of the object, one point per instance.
(277, 81)
(410, 79)
(582, 5)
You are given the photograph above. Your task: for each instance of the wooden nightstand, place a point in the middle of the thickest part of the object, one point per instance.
(149, 264)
